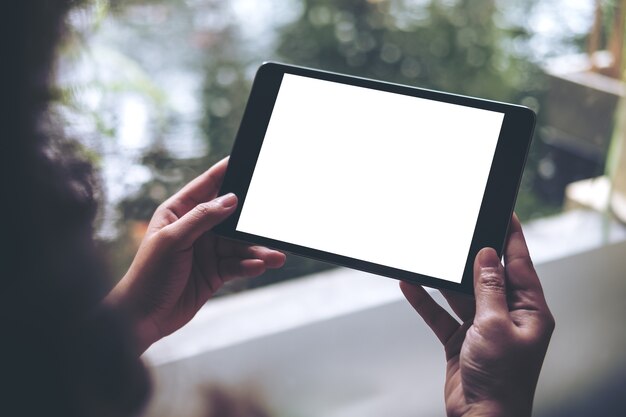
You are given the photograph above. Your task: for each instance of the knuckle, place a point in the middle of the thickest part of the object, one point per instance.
(204, 210)
(552, 323)
(493, 321)
(160, 211)
(549, 323)
(537, 334)
(162, 207)
(167, 236)
(166, 211)
(491, 279)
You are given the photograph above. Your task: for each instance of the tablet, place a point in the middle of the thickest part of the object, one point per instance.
(399, 181)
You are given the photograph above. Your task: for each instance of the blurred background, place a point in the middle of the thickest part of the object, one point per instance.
(154, 90)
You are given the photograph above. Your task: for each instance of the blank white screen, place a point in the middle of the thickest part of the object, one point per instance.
(377, 176)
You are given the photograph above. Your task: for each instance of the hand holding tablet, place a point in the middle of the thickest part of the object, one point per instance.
(394, 180)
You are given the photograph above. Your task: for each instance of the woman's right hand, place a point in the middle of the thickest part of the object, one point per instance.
(180, 263)
(495, 355)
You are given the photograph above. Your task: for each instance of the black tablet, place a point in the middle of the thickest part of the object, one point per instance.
(399, 181)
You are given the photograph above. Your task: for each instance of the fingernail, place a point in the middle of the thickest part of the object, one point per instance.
(227, 200)
(488, 258)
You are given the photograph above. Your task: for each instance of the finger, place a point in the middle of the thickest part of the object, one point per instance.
(524, 285)
(516, 247)
(231, 268)
(272, 258)
(202, 218)
(463, 305)
(455, 343)
(489, 285)
(201, 189)
(516, 255)
(435, 316)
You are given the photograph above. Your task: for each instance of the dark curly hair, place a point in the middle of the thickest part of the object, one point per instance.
(62, 352)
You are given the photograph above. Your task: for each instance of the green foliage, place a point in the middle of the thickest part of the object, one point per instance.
(529, 206)
(452, 47)
(112, 72)
(225, 93)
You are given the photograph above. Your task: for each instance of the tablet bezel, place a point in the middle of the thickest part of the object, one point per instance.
(498, 199)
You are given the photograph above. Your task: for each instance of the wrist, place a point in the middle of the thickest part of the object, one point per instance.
(143, 331)
(146, 333)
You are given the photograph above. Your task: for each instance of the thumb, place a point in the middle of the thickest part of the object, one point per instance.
(489, 285)
(201, 219)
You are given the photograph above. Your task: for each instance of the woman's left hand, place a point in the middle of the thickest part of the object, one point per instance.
(180, 264)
